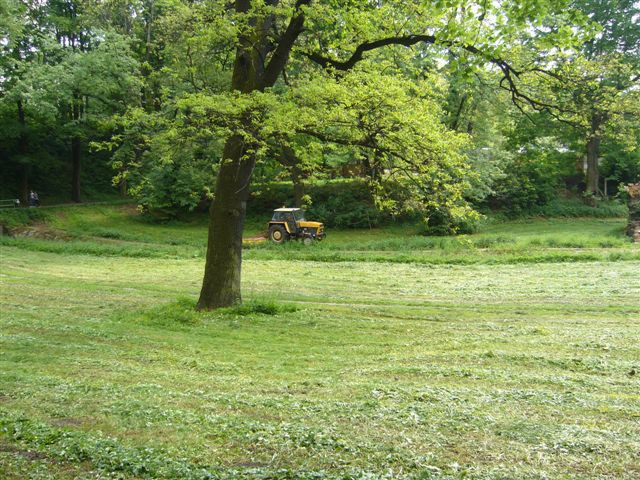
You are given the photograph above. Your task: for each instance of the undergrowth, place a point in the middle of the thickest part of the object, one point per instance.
(569, 208)
(183, 313)
(17, 217)
(259, 307)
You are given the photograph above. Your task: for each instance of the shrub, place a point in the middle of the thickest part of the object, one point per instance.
(337, 203)
(529, 184)
(441, 222)
(577, 208)
(567, 208)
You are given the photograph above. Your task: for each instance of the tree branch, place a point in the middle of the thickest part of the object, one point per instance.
(509, 73)
(339, 141)
(286, 41)
(357, 56)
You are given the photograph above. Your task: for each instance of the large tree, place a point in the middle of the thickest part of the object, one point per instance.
(594, 86)
(273, 38)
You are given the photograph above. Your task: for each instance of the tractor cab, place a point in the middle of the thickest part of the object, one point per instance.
(290, 223)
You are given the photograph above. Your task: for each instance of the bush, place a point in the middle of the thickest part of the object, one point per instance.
(567, 208)
(529, 184)
(441, 222)
(349, 203)
(575, 208)
(338, 203)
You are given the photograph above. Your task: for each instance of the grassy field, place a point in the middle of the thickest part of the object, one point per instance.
(513, 353)
(119, 231)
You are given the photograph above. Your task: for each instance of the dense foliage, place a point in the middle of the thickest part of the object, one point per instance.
(92, 91)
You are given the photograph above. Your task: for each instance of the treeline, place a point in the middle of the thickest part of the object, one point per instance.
(135, 98)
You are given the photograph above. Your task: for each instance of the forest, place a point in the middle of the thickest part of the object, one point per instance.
(506, 105)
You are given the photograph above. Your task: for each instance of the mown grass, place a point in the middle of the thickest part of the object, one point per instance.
(425, 357)
(333, 370)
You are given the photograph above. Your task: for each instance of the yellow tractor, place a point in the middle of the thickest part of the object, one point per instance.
(289, 223)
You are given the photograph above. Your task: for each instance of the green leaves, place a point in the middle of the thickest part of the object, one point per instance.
(392, 126)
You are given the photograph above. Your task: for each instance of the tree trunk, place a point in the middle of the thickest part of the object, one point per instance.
(373, 169)
(122, 186)
(221, 283)
(76, 162)
(223, 266)
(222, 271)
(593, 152)
(291, 161)
(24, 184)
(23, 148)
(77, 113)
(298, 186)
(593, 174)
(458, 115)
(149, 96)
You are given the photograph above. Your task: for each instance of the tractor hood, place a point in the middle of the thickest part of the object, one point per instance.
(307, 224)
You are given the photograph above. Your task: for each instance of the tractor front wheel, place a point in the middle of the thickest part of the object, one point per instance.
(277, 234)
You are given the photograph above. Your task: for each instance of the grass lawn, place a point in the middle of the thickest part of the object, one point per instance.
(520, 362)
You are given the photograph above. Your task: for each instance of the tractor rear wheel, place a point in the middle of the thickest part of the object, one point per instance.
(278, 234)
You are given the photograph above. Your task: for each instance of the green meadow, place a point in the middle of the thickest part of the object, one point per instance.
(512, 353)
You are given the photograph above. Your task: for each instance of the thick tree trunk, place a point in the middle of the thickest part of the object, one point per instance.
(222, 271)
(223, 266)
(76, 163)
(221, 283)
(593, 174)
